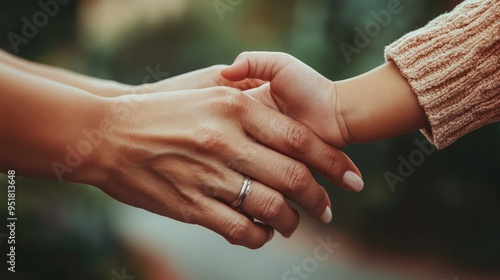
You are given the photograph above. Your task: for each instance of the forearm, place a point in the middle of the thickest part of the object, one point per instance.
(453, 67)
(377, 105)
(96, 86)
(40, 121)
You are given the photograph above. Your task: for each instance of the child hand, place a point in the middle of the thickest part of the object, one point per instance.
(295, 90)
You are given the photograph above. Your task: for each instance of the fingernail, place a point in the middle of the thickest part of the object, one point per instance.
(270, 236)
(352, 181)
(326, 217)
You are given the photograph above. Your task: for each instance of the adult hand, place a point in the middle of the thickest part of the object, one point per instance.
(184, 155)
(198, 79)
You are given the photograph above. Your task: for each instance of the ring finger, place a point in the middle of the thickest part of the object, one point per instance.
(264, 204)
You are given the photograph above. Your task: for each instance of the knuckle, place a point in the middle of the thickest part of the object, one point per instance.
(248, 154)
(273, 208)
(234, 102)
(237, 230)
(299, 138)
(192, 203)
(297, 177)
(245, 156)
(212, 139)
(333, 163)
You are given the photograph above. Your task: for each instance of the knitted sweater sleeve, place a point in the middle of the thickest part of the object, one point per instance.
(453, 66)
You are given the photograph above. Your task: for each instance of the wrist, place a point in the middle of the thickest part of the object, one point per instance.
(379, 104)
(90, 147)
(342, 110)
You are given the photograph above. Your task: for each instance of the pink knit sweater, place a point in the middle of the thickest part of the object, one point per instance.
(453, 66)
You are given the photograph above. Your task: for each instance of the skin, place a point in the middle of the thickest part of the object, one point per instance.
(377, 105)
(203, 78)
(179, 152)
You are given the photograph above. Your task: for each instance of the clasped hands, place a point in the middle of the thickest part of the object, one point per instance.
(188, 142)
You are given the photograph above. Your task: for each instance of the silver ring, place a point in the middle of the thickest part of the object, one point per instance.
(245, 190)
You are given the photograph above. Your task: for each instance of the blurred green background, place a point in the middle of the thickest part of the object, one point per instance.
(447, 210)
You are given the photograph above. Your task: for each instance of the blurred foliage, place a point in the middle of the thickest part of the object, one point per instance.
(448, 208)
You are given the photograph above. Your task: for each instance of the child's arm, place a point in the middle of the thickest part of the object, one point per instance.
(452, 65)
(376, 105)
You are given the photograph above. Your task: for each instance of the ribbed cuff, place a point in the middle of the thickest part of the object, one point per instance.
(453, 66)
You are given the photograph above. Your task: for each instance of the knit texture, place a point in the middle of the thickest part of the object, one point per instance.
(453, 66)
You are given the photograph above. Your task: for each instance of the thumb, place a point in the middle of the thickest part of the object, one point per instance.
(257, 65)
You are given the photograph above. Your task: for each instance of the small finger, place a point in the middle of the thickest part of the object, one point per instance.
(233, 226)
